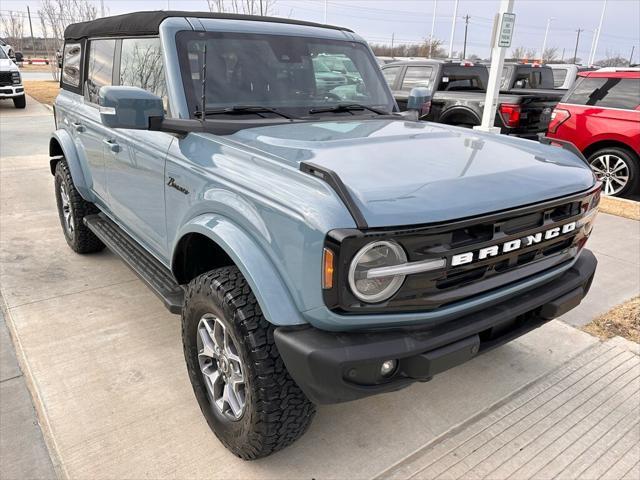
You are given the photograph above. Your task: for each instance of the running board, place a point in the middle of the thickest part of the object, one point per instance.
(157, 277)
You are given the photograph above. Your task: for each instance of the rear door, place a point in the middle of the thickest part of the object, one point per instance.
(85, 120)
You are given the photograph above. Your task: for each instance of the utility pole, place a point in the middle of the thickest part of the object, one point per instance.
(466, 26)
(633, 47)
(544, 43)
(575, 52)
(33, 42)
(325, 11)
(597, 38)
(453, 28)
(433, 26)
(261, 11)
(102, 8)
(393, 34)
(562, 59)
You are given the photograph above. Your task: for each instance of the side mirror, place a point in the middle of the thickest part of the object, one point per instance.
(419, 101)
(129, 107)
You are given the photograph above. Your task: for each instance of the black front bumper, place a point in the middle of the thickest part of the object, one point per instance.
(333, 367)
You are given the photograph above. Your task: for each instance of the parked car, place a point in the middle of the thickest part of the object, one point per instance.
(318, 251)
(8, 49)
(458, 95)
(565, 74)
(600, 115)
(527, 76)
(11, 82)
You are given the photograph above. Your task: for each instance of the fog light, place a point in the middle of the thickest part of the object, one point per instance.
(388, 368)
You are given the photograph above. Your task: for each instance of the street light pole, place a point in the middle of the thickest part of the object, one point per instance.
(544, 43)
(325, 11)
(597, 39)
(453, 28)
(433, 26)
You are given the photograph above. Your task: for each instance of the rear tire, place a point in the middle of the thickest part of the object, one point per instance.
(268, 411)
(20, 102)
(618, 169)
(72, 209)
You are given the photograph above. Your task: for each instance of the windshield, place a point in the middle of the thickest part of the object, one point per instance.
(290, 74)
(3, 55)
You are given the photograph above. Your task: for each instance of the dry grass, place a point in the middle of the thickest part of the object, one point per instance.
(44, 91)
(35, 68)
(620, 207)
(623, 321)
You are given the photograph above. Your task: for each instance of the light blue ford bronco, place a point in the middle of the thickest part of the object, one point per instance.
(320, 246)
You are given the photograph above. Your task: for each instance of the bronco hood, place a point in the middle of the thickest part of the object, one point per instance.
(406, 173)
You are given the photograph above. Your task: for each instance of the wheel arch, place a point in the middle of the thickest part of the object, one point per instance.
(600, 144)
(459, 114)
(212, 241)
(61, 145)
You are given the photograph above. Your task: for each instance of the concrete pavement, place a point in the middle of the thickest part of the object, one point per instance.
(103, 358)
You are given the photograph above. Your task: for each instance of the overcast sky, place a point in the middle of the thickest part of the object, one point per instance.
(410, 20)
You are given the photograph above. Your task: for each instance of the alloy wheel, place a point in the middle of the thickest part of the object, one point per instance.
(612, 171)
(67, 213)
(221, 367)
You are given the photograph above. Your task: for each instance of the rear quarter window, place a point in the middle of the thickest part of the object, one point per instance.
(559, 76)
(623, 93)
(71, 58)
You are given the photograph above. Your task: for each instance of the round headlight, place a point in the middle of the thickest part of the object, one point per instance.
(373, 256)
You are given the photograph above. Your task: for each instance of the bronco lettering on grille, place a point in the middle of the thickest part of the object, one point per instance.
(511, 245)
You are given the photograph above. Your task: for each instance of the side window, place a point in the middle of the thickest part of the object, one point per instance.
(506, 78)
(559, 76)
(100, 68)
(390, 74)
(621, 93)
(141, 65)
(416, 77)
(71, 64)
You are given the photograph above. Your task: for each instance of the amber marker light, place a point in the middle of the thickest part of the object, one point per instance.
(327, 269)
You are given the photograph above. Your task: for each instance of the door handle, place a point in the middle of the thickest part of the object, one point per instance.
(78, 127)
(111, 144)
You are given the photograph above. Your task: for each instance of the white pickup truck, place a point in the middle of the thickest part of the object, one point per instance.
(11, 81)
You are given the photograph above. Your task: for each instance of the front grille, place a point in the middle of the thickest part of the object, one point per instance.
(439, 288)
(5, 79)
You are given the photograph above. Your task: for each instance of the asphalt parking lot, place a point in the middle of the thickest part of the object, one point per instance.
(102, 360)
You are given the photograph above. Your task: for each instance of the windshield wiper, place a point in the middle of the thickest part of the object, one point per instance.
(241, 109)
(347, 107)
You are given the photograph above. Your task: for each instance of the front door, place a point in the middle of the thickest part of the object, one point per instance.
(134, 165)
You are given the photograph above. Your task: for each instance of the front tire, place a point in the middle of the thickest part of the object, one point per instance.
(72, 209)
(617, 169)
(239, 379)
(20, 102)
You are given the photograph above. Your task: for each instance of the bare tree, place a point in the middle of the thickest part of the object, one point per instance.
(411, 49)
(13, 27)
(246, 7)
(613, 60)
(550, 54)
(55, 16)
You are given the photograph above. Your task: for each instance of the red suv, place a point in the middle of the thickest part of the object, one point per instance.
(601, 116)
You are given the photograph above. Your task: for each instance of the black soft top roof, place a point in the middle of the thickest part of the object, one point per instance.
(147, 23)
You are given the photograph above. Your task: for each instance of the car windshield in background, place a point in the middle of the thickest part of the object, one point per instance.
(290, 74)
